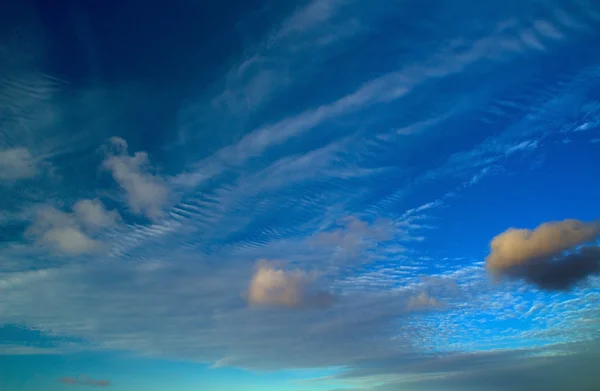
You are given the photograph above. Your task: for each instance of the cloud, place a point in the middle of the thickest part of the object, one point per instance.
(21, 350)
(147, 193)
(274, 62)
(422, 208)
(17, 163)
(193, 310)
(547, 256)
(522, 146)
(313, 15)
(382, 90)
(517, 246)
(92, 214)
(70, 240)
(60, 231)
(553, 368)
(562, 272)
(280, 288)
(354, 235)
(71, 233)
(423, 302)
(484, 172)
(83, 380)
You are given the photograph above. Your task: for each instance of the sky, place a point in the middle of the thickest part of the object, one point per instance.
(320, 195)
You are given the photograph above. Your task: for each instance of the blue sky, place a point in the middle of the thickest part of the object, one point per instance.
(297, 196)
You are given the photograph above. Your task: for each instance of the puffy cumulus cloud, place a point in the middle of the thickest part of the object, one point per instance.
(83, 380)
(548, 256)
(271, 286)
(92, 214)
(72, 233)
(69, 240)
(146, 193)
(518, 246)
(17, 163)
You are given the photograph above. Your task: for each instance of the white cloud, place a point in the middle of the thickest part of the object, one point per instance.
(146, 193)
(92, 214)
(70, 240)
(533, 309)
(17, 163)
(72, 233)
(522, 146)
(385, 89)
(274, 63)
(315, 14)
(422, 208)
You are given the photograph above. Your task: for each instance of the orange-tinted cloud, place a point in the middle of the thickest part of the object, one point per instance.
(548, 256)
(271, 286)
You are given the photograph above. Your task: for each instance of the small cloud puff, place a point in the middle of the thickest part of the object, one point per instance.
(147, 194)
(273, 287)
(17, 163)
(70, 233)
(423, 302)
(548, 256)
(85, 381)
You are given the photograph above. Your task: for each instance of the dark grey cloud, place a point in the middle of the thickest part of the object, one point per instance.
(569, 370)
(554, 368)
(562, 272)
